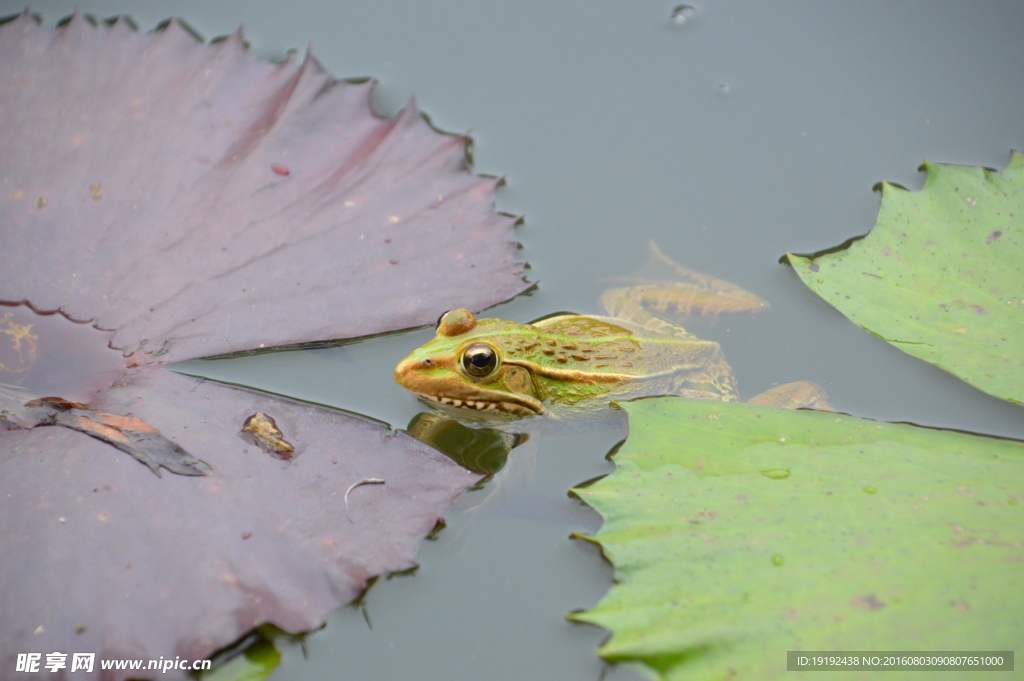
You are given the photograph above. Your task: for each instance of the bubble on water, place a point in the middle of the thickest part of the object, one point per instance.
(683, 14)
(724, 88)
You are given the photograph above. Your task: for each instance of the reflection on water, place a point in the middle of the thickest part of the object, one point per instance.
(484, 450)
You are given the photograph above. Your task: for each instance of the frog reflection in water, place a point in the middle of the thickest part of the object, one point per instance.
(574, 363)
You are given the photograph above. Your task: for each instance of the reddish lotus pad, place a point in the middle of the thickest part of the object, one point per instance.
(45, 354)
(161, 566)
(199, 201)
(196, 201)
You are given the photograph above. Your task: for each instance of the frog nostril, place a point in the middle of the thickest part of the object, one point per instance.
(428, 362)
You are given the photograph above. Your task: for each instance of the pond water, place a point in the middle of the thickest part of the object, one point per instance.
(747, 130)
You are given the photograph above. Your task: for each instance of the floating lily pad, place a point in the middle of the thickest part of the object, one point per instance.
(191, 200)
(199, 201)
(941, 276)
(739, 532)
(100, 555)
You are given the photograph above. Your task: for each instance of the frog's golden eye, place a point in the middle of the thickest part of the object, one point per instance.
(479, 360)
(439, 320)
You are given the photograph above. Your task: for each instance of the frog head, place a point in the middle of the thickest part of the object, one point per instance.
(472, 366)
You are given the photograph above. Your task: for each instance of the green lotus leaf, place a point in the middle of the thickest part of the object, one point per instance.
(941, 276)
(739, 533)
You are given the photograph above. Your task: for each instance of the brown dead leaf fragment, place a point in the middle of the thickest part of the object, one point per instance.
(194, 201)
(267, 435)
(20, 409)
(58, 403)
(137, 438)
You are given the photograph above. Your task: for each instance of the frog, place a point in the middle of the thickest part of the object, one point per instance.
(575, 364)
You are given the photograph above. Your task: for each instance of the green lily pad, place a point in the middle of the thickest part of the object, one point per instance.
(256, 663)
(739, 533)
(941, 276)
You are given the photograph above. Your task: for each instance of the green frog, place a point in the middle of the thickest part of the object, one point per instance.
(576, 363)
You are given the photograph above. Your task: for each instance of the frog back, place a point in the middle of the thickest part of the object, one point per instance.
(642, 361)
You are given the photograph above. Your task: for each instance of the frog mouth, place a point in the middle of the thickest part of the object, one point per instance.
(521, 405)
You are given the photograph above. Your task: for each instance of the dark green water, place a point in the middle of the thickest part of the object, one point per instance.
(752, 129)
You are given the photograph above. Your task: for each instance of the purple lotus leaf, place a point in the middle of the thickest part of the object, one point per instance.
(190, 200)
(199, 201)
(101, 556)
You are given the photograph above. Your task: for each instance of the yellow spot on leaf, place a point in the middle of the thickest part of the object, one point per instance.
(19, 350)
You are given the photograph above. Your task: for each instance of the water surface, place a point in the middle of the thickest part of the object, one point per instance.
(745, 131)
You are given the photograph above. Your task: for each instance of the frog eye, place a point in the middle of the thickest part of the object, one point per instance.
(440, 319)
(479, 360)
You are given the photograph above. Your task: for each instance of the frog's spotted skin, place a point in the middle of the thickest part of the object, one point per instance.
(560, 361)
(497, 367)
